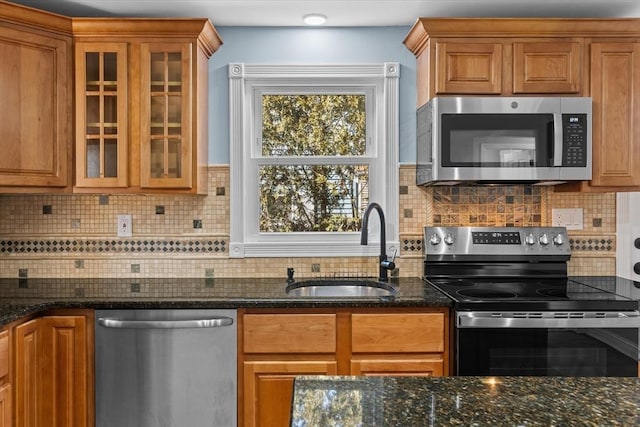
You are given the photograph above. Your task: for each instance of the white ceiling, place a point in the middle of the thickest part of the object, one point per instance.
(343, 13)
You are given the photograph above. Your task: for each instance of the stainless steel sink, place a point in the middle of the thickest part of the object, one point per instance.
(340, 288)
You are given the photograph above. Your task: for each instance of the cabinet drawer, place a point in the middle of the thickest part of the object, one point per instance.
(4, 353)
(289, 333)
(397, 333)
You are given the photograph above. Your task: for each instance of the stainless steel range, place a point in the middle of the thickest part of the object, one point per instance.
(518, 313)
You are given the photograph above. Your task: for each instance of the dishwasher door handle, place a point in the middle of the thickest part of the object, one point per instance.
(215, 322)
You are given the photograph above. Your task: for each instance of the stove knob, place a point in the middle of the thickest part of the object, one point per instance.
(544, 240)
(558, 240)
(530, 240)
(448, 239)
(435, 239)
(636, 243)
(636, 268)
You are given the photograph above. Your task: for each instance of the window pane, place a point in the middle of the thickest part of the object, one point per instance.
(309, 198)
(313, 125)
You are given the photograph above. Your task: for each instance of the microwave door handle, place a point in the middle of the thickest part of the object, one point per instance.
(558, 141)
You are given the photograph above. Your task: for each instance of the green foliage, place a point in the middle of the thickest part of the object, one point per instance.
(306, 197)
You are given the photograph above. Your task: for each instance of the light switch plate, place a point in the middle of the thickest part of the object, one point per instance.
(572, 219)
(124, 226)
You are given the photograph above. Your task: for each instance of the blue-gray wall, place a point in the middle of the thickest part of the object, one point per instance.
(285, 45)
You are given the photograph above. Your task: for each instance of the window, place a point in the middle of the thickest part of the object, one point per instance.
(310, 147)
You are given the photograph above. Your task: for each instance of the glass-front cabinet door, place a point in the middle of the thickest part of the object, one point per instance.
(101, 116)
(165, 145)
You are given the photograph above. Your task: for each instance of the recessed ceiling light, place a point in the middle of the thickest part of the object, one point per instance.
(314, 19)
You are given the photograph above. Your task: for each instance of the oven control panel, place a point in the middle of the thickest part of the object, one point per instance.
(492, 241)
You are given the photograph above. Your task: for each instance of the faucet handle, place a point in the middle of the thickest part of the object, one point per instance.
(395, 252)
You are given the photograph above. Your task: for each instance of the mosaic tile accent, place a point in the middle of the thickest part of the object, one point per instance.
(108, 246)
(485, 206)
(411, 246)
(592, 244)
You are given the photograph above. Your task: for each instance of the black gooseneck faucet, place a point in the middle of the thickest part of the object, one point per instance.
(384, 264)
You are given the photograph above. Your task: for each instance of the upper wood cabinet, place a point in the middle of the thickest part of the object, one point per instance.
(36, 107)
(462, 56)
(528, 56)
(615, 90)
(141, 104)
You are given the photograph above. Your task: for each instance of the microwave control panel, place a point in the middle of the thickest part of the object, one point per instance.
(574, 136)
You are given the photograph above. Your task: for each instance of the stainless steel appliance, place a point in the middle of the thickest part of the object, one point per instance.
(517, 312)
(497, 139)
(166, 368)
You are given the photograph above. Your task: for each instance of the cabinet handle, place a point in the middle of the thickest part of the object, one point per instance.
(215, 322)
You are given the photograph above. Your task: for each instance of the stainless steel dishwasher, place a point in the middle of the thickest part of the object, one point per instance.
(166, 368)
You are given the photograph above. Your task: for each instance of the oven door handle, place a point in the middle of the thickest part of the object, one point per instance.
(550, 320)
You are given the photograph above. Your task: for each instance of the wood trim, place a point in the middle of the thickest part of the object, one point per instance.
(27, 374)
(4, 354)
(35, 18)
(150, 29)
(425, 28)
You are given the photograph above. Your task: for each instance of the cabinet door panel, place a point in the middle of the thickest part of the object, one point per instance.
(101, 115)
(289, 333)
(398, 333)
(615, 83)
(268, 388)
(27, 378)
(166, 113)
(5, 405)
(395, 367)
(468, 68)
(64, 370)
(547, 67)
(35, 109)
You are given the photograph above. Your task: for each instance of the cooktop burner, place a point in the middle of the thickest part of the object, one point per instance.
(486, 294)
(510, 268)
(529, 294)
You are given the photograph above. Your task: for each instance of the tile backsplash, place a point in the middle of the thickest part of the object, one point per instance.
(187, 236)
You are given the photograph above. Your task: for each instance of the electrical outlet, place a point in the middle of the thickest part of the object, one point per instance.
(124, 226)
(572, 219)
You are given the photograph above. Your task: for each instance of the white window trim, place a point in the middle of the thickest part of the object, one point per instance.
(242, 79)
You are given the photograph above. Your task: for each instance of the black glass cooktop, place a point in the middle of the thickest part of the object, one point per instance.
(530, 294)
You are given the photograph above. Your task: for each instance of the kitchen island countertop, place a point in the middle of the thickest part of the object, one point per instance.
(24, 297)
(466, 401)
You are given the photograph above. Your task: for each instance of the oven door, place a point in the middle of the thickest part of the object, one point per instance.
(547, 344)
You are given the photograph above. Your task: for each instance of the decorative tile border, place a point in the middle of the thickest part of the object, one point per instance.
(411, 246)
(213, 245)
(592, 245)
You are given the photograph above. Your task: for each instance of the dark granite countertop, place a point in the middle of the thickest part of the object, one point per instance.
(465, 401)
(22, 297)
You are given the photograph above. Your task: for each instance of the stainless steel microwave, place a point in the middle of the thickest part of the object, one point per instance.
(543, 140)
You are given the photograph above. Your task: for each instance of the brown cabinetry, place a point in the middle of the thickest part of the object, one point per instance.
(615, 90)
(529, 56)
(36, 108)
(494, 57)
(141, 98)
(6, 407)
(275, 347)
(51, 375)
